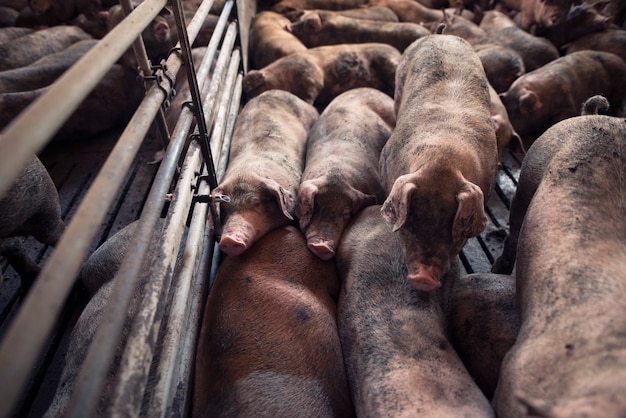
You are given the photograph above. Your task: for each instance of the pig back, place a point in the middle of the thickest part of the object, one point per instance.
(568, 358)
(268, 344)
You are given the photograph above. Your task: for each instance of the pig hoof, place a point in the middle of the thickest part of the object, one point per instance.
(424, 282)
(322, 250)
(232, 246)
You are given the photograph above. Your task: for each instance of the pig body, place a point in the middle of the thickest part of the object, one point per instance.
(484, 322)
(568, 359)
(396, 342)
(267, 157)
(417, 12)
(270, 39)
(13, 32)
(505, 134)
(269, 345)
(330, 28)
(613, 41)
(534, 50)
(29, 208)
(549, 94)
(440, 163)
(45, 70)
(320, 74)
(31, 47)
(377, 13)
(341, 170)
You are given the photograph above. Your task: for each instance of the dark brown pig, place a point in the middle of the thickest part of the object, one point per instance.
(269, 345)
(45, 70)
(556, 91)
(484, 321)
(613, 41)
(270, 39)
(29, 48)
(539, 14)
(569, 359)
(341, 170)
(29, 208)
(320, 74)
(331, 28)
(534, 50)
(440, 163)
(396, 342)
(265, 167)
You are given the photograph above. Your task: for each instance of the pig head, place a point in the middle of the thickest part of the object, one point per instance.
(542, 13)
(324, 207)
(257, 205)
(435, 216)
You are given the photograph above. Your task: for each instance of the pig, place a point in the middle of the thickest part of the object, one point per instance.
(286, 6)
(320, 74)
(549, 94)
(377, 13)
(534, 50)
(268, 345)
(539, 14)
(45, 70)
(30, 207)
(505, 134)
(31, 47)
(396, 341)
(440, 163)
(613, 41)
(417, 12)
(329, 28)
(341, 169)
(110, 104)
(265, 167)
(270, 39)
(581, 20)
(484, 322)
(568, 358)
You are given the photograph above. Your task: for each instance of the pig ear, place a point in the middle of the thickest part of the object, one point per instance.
(306, 202)
(395, 208)
(529, 102)
(470, 219)
(314, 23)
(252, 80)
(285, 198)
(360, 199)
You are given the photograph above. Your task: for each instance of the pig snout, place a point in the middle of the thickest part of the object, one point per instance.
(425, 277)
(161, 31)
(322, 248)
(237, 236)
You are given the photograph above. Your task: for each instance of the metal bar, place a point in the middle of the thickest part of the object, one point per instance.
(30, 131)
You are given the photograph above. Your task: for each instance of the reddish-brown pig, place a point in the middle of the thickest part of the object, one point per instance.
(417, 12)
(269, 345)
(568, 359)
(484, 322)
(534, 50)
(613, 41)
(45, 70)
(538, 14)
(341, 170)
(31, 47)
(265, 167)
(320, 74)
(270, 39)
(551, 93)
(396, 342)
(441, 160)
(330, 28)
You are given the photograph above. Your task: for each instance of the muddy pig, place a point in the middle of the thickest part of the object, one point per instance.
(608, 41)
(29, 48)
(569, 359)
(29, 208)
(539, 14)
(45, 70)
(270, 39)
(534, 50)
(484, 321)
(267, 157)
(556, 91)
(341, 169)
(269, 345)
(330, 28)
(440, 163)
(320, 74)
(396, 342)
